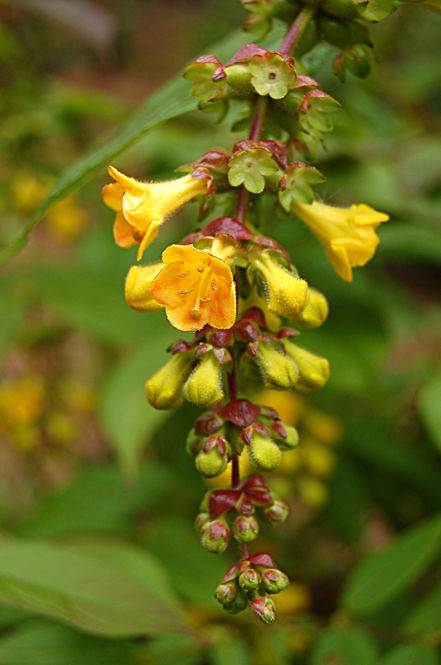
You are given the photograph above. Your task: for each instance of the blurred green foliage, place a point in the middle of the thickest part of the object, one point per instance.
(106, 548)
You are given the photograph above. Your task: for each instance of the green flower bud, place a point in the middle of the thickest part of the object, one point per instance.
(274, 581)
(286, 436)
(249, 579)
(245, 529)
(315, 312)
(265, 609)
(225, 593)
(263, 452)
(313, 369)
(193, 441)
(275, 514)
(204, 385)
(215, 536)
(212, 458)
(239, 79)
(201, 520)
(340, 8)
(277, 370)
(239, 603)
(285, 292)
(163, 389)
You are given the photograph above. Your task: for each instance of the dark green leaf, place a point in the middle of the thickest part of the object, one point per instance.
(429, 403)
(344, 646)
(42, 643)
(126, 416)
(411, 654)
(426, 615)
(85, 590)
(381, 576)
(99, 499)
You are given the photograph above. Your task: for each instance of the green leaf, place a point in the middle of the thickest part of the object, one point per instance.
(171, 100)
(411, 654)
(429, 402)
(426, 615)
(43, 643)
(126, 416)
(193, 570)
(344, 646)
(230, 650)
(347, 499)
(90, 300)
(99, 499)
(172, 650)
(380, 577)
(94, 593)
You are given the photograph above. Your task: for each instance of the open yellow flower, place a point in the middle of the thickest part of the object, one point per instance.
(348, 234)
(141, 207)
(196, 288)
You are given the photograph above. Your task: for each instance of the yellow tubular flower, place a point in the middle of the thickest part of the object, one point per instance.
(137, 288)
(141, 207)
(348, 234)
(196, 288)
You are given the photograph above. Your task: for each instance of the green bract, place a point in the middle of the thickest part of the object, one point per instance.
(296, 185)
(271, 75)
(250, 167)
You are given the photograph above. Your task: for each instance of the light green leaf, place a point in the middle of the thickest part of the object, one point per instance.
(171, 100)
(380, 577)
(429, 402)
(411, 654)
(94, 593)
(344, 646)
(126, 416)
(43, 643)
(426, 615)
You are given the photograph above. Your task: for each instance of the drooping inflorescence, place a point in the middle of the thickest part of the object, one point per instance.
(238, 290)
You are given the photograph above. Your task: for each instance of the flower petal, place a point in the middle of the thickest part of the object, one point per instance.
(123, 232)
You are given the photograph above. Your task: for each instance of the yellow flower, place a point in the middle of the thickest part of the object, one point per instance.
(196, 288)
(141, 207)
(348, 234)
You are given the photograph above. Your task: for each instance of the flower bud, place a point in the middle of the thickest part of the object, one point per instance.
(249, 579)
(239, 79)
(137, 287)
(225, 593)
(315, 312)
(275, 514)
(215, 536)
(274, 581)
(245, 529)
(285, 292)
(278, 371)
(286, 436)
(263, 452)
(201, 520)
(212, 458)
(204, 385)
(313, 369)
(264, 607)
(163, 389)
(239, 603)
(193, 441)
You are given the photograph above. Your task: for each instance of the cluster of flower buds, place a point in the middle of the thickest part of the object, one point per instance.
(236, 512)
(250, 582)
(236, 289)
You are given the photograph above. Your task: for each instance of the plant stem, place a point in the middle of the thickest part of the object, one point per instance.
(254, 135)
(296, 30)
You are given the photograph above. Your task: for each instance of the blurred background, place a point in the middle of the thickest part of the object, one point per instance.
(81, 452)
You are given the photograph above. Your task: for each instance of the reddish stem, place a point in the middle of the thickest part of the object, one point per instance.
(296, 30)
(244, 551)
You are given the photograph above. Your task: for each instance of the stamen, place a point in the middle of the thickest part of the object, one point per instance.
(201, 269)
(205, 299)
(213, 286)
(184, 292)
(201, 290)
(183, 274)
